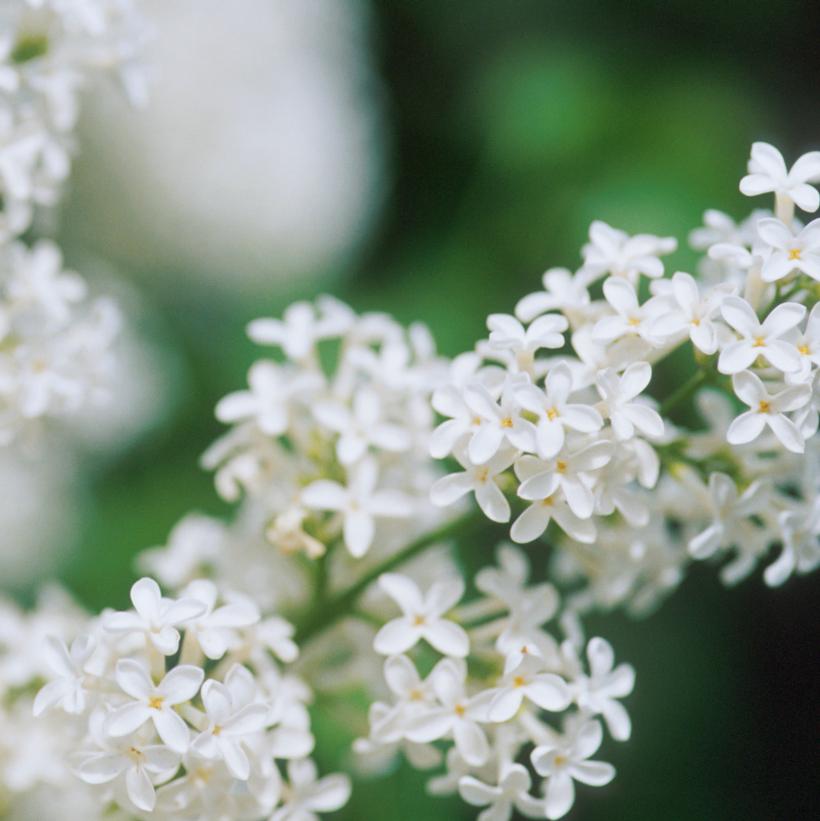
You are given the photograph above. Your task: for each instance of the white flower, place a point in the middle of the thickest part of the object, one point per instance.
(154, 702)
(625, 415)
(360, 503)
(360, 427)
(565, 760)
(413, 696)
(767, 410)
(597, 693)
(216, 629)
(268, 403)
(537, 517)
(760, 338)
(508, 334)
(306, 795)
(614, 252)
(140, 766)
(630, 317)
(69, 688)
(555, 413)
(790, 252)
(807, 343)
(692, 313)
(422, 617)
(546, 690)
(572, 471)
(302, 326)
(499, 423)
(729, 511)
(458, 714)
(230, 721)
(768, 173)
(155, 617)
(800, 532)
(562, 292)
(477, 479)
(512, 792)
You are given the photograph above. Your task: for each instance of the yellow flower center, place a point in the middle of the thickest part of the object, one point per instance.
(561, 760)
(507, 422)
(418, 621)
(155, 702)
(634, 321)
(794, 253)
(561, 466)
(519, 681)
(552, 413)
(760, 342)
(804, 349)
(460, 709)
(764, 406)
(482, 475)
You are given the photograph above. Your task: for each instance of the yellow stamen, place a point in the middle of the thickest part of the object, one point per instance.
(804, 349)
(507, 422)
(460, 709)
(418, 621)
(760, 342)
(155, 702)
(482, 475)
(794, 253)
(552, 413)
(561, 466)
(633, 321)
(764, 406)
(519, 681)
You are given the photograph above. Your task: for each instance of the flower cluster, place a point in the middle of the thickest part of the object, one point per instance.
(496, 692)
(331, 439)
(49, 50)
(564, 421)
(183, 708)
(552, 409)
(57, 345)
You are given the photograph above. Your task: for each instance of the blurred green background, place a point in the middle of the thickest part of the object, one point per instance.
(508, 127)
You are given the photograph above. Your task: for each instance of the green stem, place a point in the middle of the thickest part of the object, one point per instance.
(684, 391)
(344, 603)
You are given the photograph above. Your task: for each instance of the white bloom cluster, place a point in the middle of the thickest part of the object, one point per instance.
(56, 344)
(57, 351)
(332, 438)
(496, 692)
(548, 423)
(49, 49)
(552, 408)
(183, 708)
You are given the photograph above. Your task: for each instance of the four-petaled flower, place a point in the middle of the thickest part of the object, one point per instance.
(422, 617)
(767, 410)
(154, 702)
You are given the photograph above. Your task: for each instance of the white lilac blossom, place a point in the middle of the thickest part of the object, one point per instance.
(542, 709)
(563, 424)
(169, 740)
(48, 53)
